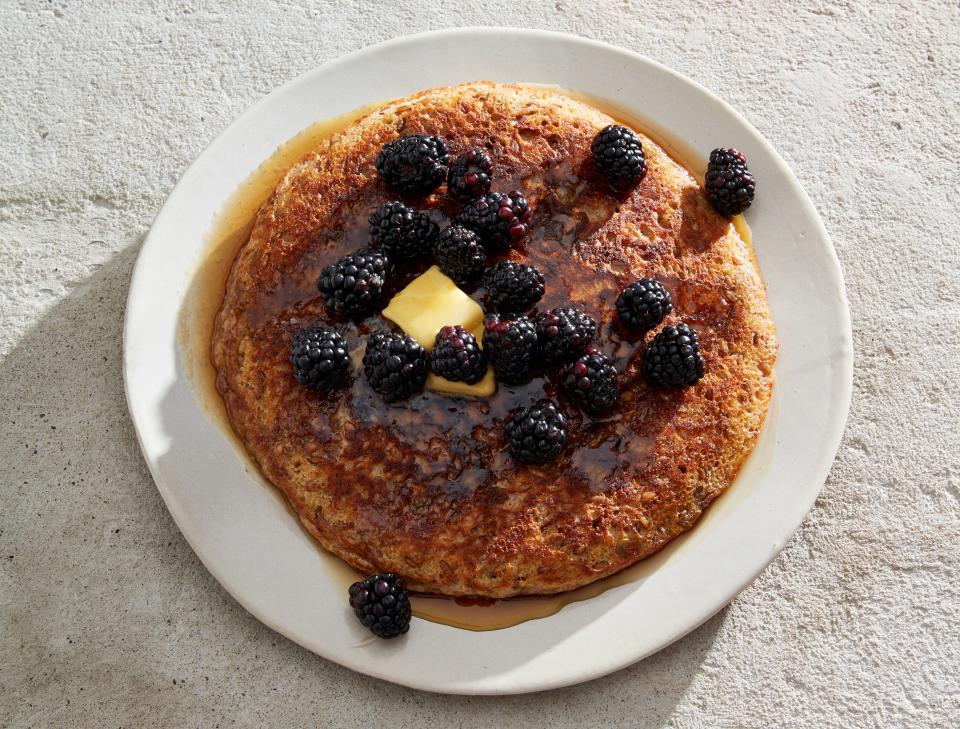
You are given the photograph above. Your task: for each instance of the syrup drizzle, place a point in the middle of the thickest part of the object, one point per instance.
(555, 231)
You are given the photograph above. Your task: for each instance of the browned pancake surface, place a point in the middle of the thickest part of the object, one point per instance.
(427, 488)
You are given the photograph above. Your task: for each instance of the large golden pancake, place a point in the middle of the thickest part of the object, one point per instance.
(427, 488)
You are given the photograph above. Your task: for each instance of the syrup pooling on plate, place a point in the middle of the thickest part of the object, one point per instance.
(559, 225)
(228, 233)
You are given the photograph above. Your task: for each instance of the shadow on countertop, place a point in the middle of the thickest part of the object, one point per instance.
(106, 611)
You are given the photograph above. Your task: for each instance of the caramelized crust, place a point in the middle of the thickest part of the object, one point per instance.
(427, 488)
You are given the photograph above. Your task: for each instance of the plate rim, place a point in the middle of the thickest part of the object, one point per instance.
(832, 436)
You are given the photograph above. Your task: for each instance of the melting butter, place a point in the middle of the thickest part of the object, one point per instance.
(427, 304)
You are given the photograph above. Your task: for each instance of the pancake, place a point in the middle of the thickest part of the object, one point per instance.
(427, 488)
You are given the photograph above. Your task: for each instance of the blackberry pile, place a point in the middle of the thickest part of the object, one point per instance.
(516, 343)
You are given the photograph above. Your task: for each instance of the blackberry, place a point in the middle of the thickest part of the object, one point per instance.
(319, 357)
(499, 218)
(470, 175)
(395, 365)
(728, 182)
(513, 286)
(592, 382)
(510, 344)
(402, 232)
(538, 433)
(618, 154)
(414, 164)
(460, 254)
(456, 356)
(563, 333)
(643, 304)
(381, 603)
(353, 285)
(673, 358)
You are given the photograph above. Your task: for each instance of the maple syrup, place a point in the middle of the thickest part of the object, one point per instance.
(231, 229)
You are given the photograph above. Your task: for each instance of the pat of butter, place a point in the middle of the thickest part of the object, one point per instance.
(432, 301)
(485, 388)
(427, 304)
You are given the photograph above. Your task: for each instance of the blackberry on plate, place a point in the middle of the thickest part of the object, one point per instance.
(381, 603)
(353, 284)
(513, 286)
(643, 304)
(592, 382)
(618, 154)
(672, 358)
(456, 356)
(500, 218)
(319, 357)
(470, 175)
(538, 433)
(402, 232)
(460, 255)
(730, 186)
(563, 333)
(415, 164)
(395, 365)
(510, 344)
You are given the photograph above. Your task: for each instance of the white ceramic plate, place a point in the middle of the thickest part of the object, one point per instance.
(251, 543)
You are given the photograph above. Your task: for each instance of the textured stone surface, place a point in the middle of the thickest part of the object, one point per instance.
(106, 616)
